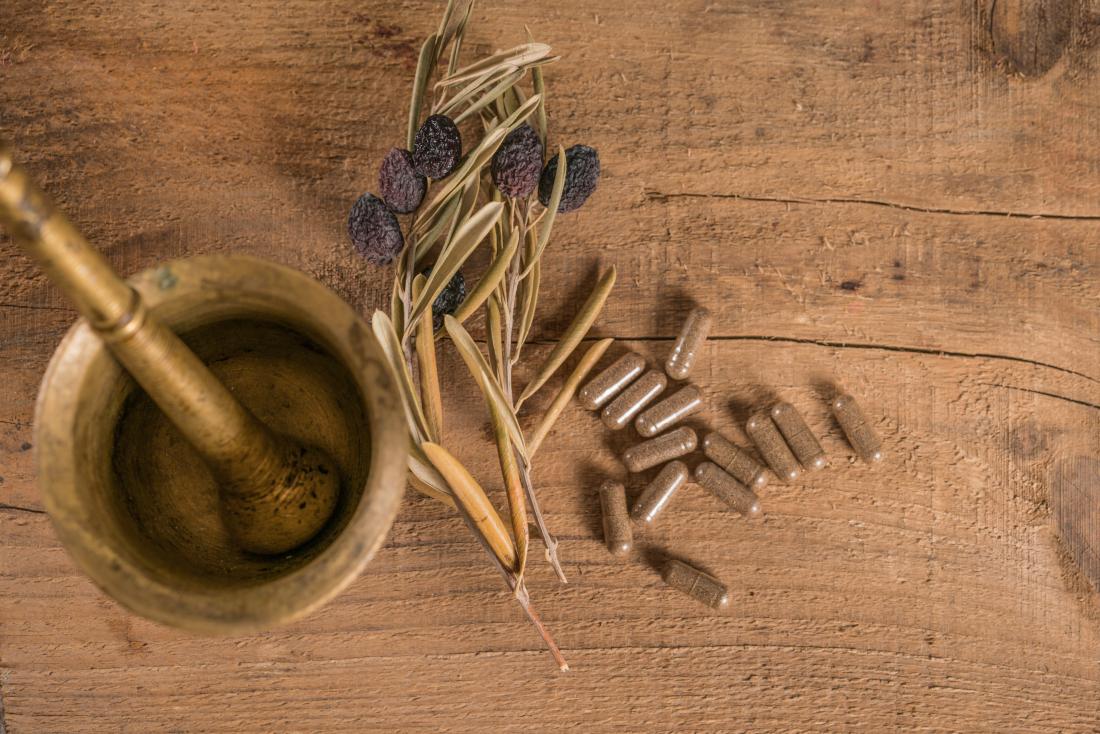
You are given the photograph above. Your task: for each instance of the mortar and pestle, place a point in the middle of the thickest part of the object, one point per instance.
(219, 442)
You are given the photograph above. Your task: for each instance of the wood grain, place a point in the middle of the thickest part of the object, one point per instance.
(897, 198)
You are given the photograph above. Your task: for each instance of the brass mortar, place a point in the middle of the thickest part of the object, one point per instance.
(148, 497)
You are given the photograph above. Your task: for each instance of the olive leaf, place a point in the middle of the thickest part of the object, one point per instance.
(454, 253)
(494, 335)
(513, 487)
(551, 210)
(460, 32)
(565, 394)
(425, 478)
(391, 346)
(424, 67)
(467, 492)
(472, 90)
(502, 87)
(430, 396)
(486, 380)
(582, 322)
(529, 302)
(523, 55)
(489, 281)
(538, 83)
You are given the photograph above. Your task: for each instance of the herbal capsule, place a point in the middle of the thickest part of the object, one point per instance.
(860, 434)
(670, 411)
(617, 532)
(735, 460)
(659, 492)
(739, 497)
(603, 387)
(772, 447)
(622, 409)
(801, 441)
(672, 445)
(692, 335)
(698, 585)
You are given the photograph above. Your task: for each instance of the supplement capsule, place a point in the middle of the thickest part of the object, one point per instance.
(603, 387)
(698, 585)
(854, 423)
(801, 441)
(623, 408)
(659, 492)
(672, 445)
(772, 447)
(735, 460)
(670, 411)
(617, 532)
(739, 497)
(692, 335)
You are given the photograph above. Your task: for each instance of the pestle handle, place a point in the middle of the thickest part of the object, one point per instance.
(255, 467)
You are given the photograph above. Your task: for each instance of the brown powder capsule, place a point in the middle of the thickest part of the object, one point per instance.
(739, 497)
(735, 460)
(700, 586)
(672, 445)
(769, 442)
(643, 392)
(854, 423)
(799, 438)
(670, 411)
(617, 532)
(603, 387)
(658, 494)
(692, 335)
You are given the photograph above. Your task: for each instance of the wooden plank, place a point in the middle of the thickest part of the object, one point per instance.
(894, 197)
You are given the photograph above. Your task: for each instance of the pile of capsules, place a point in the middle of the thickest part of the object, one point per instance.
(625, 390)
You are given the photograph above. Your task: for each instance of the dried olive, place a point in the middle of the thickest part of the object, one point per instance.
(517, 163)
(582, 173)
(402, 188)
(437, 147)
(374, 230)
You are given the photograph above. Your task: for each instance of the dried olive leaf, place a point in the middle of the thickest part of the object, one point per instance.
(529, 298)
(454, 254)
(460, 33)
(488, 283)
(430, 395)
(538, 83)
(444, 32)
(494, 337)
(505, 85)
(424, 68)
(387, 337)
(475, 502)
(547, 222)
(426, 478)
(471, 90)
(522, 55)
(444, 222)
(565, 394)
(582, 322)
(485, 379)
(466, 207)
(513, 487)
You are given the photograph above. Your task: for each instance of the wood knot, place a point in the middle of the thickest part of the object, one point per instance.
(1075, 497)
(1028, 37)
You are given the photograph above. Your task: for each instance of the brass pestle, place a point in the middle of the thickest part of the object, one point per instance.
(276, 494)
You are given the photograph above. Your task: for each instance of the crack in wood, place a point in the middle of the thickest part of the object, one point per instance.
(1054, 395)
(848, 345)
(1004, 214)
(16, 508)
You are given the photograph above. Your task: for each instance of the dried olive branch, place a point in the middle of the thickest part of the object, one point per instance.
(465, 205)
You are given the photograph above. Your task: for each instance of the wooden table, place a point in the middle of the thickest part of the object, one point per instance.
(895, 197)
